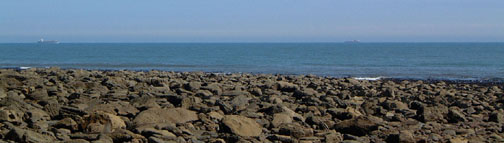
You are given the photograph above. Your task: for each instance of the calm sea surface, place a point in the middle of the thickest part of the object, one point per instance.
(395, 60)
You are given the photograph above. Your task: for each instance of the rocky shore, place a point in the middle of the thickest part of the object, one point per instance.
(80, 106)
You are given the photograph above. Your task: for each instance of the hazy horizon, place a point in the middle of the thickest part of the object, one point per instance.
(251, 21)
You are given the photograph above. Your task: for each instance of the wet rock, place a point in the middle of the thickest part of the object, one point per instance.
(242, 126)
(157, 116)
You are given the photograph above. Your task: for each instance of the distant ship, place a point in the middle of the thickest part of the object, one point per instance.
(42, 41)
(352, 41)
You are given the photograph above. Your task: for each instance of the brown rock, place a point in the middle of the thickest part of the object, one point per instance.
(242, 126)
(101, 122)
(455, 116)
(172, 115)
(333, 137)
(67, 123)
(458, 140)
(286, 86)
(359, 126)
(281, 118)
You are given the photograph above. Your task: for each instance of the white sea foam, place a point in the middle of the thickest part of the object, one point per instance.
(368, 78)
(24, 68)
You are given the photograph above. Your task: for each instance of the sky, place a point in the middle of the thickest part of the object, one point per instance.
(252, 20)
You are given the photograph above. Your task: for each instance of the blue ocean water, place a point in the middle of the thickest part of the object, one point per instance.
(394, 60)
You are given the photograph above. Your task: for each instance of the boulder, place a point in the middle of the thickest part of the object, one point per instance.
(101, 122)
(3, 94)
(215, 88)
(281, 118)
(286, 86)
(454, 116)
(307, 92)
(158, 115)
(428, 114)
(242, 126)
(193, 86)
(67, 123)
(27, 136)
(359, 126)
(295, 130)
(240, 102)
(496, 117)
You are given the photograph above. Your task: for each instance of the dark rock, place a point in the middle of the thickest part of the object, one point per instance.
(455, 116)
(286, 86)
(20, 135)
(496, 117)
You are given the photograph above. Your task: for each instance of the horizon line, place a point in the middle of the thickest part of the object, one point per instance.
(203, 42)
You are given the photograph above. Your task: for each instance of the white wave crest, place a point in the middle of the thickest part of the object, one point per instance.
(368, 78)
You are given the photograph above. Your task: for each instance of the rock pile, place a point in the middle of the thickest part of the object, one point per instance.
(54, 105)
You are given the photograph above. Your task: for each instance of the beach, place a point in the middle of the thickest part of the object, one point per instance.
(71, 105)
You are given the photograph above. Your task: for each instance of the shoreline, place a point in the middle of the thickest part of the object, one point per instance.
(52, 104)
(483, 81)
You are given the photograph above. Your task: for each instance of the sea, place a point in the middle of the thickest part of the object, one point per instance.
(445, 61)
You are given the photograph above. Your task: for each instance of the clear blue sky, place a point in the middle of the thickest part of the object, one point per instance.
(252, 20)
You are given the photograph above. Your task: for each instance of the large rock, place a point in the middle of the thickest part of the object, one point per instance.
(242, 126)
(359, 126)
(455, 116)
(27, 136)
(192, 86)
(307, 92)
(496, 117)
(172, 116)
(101, 122)
(286, 86)
(281, 118)
(215, 88)
(428, 114)
(3, 94)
